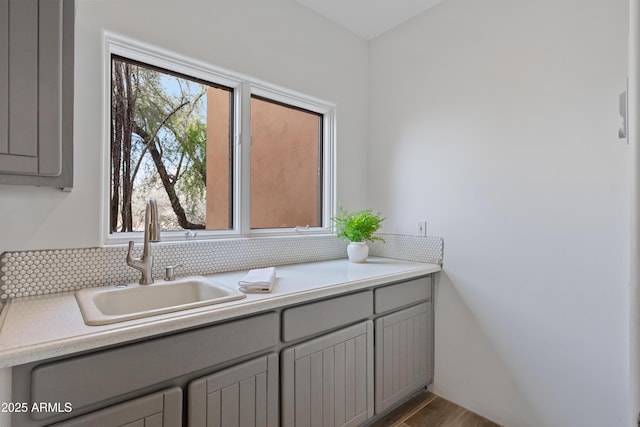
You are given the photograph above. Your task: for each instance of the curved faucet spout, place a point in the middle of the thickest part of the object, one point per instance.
(151, 220)
(144, 264)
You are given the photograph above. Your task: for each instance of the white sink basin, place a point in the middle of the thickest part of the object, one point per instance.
(101, 306)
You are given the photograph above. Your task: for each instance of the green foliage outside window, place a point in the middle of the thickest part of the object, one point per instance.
(158, 146)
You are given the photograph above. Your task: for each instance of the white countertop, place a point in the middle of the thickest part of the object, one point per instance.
(38, 328)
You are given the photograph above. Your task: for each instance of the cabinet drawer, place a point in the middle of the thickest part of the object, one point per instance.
(85, 380)
(402, 294)
(310, 319)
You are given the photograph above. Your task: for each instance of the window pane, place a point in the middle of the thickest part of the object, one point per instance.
(170, 139)
(219, 158)
(286, 169)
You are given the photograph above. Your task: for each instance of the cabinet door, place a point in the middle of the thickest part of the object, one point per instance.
(19, 153)
(4, 76)
(162, 409)
(328, 381)
(36, 92)
(404, 354)
(50, 55)
(245, 395)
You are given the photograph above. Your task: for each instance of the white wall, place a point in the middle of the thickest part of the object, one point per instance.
(278, 41)
(496, 121)
(634, 140)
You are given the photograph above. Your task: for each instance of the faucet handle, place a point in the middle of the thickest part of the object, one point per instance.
(169, 271)
(130, 259)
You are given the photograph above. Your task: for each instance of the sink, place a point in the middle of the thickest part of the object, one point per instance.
(105, 305)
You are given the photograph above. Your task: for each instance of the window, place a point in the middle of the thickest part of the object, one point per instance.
(167, 131)
(222, 154)
(286, 165)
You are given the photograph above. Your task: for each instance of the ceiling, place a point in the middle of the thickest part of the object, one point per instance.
(369, 18)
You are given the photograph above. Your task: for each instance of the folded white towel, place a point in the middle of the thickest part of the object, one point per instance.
(260, 280)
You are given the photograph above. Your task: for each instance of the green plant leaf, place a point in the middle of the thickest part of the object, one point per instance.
(357, 226)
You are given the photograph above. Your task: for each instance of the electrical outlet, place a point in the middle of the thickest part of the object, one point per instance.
(421, 228)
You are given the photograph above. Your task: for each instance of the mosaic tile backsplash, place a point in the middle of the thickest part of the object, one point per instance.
(41, 272)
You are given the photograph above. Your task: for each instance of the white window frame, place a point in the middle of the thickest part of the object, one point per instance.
(243, 88)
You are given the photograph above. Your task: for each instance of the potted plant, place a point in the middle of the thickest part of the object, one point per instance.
(358, 228)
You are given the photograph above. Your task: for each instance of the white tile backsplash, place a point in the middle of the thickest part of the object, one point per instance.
(41, 272)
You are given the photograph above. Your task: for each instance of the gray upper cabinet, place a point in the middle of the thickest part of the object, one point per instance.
(36, 92)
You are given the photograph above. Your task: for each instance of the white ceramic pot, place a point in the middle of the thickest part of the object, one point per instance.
(358, 251)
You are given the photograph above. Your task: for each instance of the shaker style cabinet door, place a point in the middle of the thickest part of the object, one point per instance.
(4, 77)
(404, 354)
(36, 91)
(244, 395)
(328, 381)
(161, 409)
(19, 88)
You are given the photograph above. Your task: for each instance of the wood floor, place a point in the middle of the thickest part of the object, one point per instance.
(428, 410)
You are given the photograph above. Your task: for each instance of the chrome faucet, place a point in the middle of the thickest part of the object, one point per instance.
(144, 264)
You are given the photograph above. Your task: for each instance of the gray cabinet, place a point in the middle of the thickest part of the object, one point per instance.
(403, 354)
(161, 409)
(245, 395)
(399, 295)
(232, 375)
(328, 381)
(103, 378)
(314, 318)
(36, 92)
